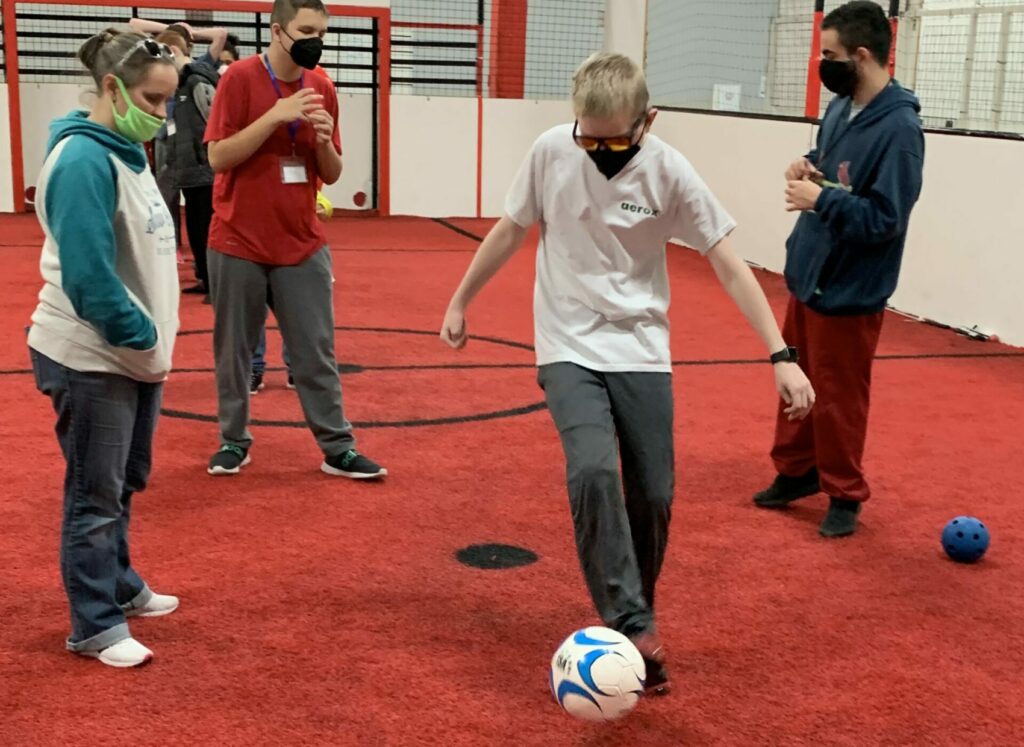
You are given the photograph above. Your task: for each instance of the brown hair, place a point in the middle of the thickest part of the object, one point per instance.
(174, 39)
(284, 11)
(118, 51)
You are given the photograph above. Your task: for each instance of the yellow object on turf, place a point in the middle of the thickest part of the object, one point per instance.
(324, 206)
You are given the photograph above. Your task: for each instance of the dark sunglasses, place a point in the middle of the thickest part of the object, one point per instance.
(151, 47)
(616, 143)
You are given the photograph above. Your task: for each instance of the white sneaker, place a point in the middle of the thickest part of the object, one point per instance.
(123, 654)
(158, 606)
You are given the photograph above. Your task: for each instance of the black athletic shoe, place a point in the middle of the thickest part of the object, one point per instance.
(784, 490)
(657, 680)
(228, 460)
(353, 465)
(841, 519)
(255, 383)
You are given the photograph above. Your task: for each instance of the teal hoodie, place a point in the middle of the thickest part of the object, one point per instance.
(109, 261)
(80, 203)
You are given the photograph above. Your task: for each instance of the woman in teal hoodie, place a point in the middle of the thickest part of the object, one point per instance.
(103, 331)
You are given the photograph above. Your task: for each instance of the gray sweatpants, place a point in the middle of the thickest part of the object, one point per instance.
(605, 419)
(304, 308)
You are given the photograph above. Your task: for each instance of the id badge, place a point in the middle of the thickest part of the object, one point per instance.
(293, 171)
(172, 128)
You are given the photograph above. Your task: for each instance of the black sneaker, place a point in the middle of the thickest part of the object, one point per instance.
(228, 460)
(650, 648)
(784, 490)
(255, 383)
(841, 519)
(291, 381)
(197, 288)
(354, 465)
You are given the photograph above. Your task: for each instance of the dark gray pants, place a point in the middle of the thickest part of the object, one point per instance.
(304, 307)
(621, 523)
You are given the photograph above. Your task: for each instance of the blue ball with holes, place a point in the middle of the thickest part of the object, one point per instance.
(965, 539)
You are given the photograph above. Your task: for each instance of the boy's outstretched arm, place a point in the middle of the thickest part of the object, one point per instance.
(497, 248)
(741, 285)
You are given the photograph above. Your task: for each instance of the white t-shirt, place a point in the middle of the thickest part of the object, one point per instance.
(602, 294)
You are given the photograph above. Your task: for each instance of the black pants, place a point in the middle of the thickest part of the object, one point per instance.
(604, 419)
(198, 214)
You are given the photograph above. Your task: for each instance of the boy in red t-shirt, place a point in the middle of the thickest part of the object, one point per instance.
(272, 134)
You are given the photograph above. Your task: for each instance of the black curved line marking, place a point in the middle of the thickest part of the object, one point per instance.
(387, 330)
(495, 415)
(351, 368)
(476, 366)
(460, 231)
(894, 357)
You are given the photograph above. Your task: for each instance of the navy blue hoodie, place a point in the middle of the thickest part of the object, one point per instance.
(845, 256)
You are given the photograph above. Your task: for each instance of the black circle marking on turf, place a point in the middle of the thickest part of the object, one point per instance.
(495, 557)
(354, 368)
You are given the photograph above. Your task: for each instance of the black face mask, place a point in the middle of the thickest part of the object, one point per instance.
(306, 52)
(610, 162)
(838, 76)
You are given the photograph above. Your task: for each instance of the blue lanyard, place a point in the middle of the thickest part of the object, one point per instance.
(293, 127)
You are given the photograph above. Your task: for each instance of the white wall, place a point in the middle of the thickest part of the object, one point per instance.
(355, 112)
(965, 253)
(434, 151)
(42, 102)
(743, 160)
(433, 156)
(6, 188)
(625, 28)
(963, 262)
(510, 127)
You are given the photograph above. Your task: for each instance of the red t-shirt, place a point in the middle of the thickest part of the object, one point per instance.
(256, 216)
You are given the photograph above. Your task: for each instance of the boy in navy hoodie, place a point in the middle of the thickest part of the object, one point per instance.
(855, 191)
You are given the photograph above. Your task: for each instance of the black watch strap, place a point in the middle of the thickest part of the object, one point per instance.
(786, 355)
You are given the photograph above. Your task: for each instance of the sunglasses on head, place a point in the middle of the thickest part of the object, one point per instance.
(616, 143)
(153, 48)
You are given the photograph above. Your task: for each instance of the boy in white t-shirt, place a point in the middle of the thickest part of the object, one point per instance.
(608, 197)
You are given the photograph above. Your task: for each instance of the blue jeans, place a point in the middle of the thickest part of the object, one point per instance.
(259, 355)
(105, 425)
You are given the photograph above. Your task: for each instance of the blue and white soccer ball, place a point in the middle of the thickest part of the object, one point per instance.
(597, 674)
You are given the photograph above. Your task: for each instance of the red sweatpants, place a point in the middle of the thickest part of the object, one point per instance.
(836, 353)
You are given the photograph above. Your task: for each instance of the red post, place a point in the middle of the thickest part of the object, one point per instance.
(894, 23)
(508, 48)
(14, 104)
(479, 117)
(384, 113)
(812, 103)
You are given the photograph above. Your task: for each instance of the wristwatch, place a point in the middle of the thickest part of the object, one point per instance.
(786, 355)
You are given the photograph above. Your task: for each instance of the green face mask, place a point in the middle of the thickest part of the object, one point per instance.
(135, 124)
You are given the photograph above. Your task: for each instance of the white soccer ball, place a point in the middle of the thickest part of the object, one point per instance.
(597, 674)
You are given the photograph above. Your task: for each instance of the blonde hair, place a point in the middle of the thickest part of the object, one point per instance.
(607, 84)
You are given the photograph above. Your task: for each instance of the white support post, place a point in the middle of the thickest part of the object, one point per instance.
(1002, 60)
(908, 44)
(625, 29)
(965, 88)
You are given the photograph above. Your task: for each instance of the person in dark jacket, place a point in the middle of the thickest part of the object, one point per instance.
(855, 192)
(186, 153)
